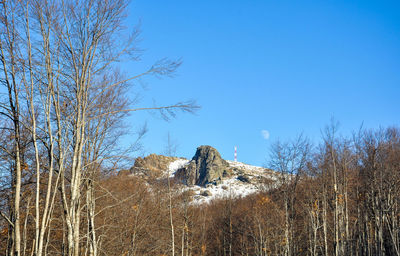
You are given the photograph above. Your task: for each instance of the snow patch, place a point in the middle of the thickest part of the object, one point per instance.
(228, 188)
(232, 187)
(176, 165)
(250, 168)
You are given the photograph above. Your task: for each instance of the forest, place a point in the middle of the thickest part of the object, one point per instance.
(63, 103)
(340, 197)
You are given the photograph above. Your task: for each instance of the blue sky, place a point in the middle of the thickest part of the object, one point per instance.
(285, 67)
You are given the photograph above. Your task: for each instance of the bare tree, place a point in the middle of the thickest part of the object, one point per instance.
(337, 160)
(10, 79)
(171, 146)
(289, 160)
(59, 56)
(378, 156)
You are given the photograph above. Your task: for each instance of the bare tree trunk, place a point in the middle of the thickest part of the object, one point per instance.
(91, 224)
(183, 241)
(24, 234)
(346, 206)
(336, 196)
(10, 77)
(325, 220)
(170, 217)
(17, 232)
(287, 228)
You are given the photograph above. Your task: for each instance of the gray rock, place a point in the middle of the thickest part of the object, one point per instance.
(206, 193)
(244, 178)
(226, 173)
(217, 181)
(152, 165)
(206, 167)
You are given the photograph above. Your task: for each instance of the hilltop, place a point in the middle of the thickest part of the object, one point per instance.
(206, 176)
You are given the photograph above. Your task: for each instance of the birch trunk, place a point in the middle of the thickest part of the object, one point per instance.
(10, 77)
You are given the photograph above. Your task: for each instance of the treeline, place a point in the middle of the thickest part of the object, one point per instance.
(340, 197)
(337, 198)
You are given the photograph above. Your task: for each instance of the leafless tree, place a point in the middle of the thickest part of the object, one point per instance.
(59, 57)
(289, 160)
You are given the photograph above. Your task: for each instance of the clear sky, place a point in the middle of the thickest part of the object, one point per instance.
(284, 67)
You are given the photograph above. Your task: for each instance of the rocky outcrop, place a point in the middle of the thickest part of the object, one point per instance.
(206, 167)
(152, 165)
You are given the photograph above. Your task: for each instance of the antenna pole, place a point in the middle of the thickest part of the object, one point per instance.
(235, 154)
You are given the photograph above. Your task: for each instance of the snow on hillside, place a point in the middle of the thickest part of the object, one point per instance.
(229, 187)
(251, 168)
(176, 165)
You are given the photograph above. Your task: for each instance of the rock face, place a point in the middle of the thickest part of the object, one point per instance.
(152, 165)
(206, 166)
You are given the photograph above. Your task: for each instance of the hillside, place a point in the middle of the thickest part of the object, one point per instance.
(214, 178)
